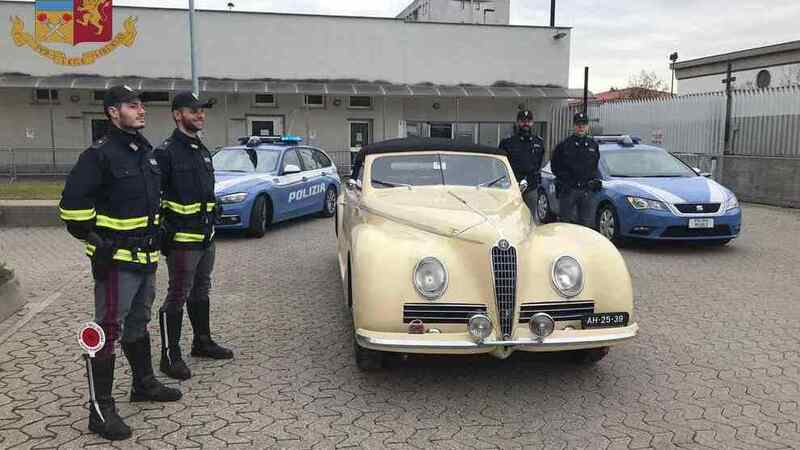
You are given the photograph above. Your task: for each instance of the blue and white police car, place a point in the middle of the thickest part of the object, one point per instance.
(650, 194)
(266, 180)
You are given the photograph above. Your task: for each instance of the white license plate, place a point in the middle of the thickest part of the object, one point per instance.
(701, 223)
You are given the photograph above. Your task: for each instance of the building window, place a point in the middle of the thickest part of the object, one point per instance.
(442, 130)
(155, 97)
(360, 102)
(264, 100)
(314, 101)
(46, 95)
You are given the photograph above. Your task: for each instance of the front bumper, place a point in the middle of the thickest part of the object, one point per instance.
(462, 343)
(235, 216)
(663, 225)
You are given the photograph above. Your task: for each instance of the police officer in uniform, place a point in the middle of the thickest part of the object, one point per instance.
(189, 212)
(574, 165)
(111, 201)
(525, 152)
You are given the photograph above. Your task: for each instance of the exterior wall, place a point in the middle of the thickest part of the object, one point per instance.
(781, 76)
(326, 127)
(773, 181)
(277, 46)
(459, 12)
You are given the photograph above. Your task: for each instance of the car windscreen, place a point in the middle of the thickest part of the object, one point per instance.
(246, 160)
(644, 163)
(439, 169)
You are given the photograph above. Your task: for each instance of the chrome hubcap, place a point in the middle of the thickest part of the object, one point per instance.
(607, 223)
(541, 206)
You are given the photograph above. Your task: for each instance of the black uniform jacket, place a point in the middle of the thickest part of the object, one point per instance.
(187, 185)
(114, 190)
(575, 161)
(525, 153)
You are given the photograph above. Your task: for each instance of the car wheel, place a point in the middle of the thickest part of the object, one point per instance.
(329, 206)
(589, 356)
(368, 360)
(260, 217)
(543, 212)
(607, 223)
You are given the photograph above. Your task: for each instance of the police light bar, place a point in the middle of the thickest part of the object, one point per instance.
(255, 141)
(621, 139)
(91, 338)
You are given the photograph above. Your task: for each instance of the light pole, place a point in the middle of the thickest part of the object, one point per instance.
(672, 57)
(193, 49)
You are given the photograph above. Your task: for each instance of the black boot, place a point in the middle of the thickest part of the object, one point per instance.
(103, 417)
(202, 344)
(172, 364)
(145, 385)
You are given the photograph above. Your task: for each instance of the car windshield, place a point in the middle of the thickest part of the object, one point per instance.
(644, 163)
(246, 160)
(439, 169)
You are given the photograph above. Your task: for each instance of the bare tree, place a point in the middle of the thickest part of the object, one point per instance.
(647, 85)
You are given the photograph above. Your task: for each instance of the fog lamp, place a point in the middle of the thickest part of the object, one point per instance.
(480, 327)
(542, 325)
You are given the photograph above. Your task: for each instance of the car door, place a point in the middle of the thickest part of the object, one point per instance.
(289, 187)
(314, 192)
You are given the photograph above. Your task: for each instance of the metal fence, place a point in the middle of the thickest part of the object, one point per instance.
(21, 162)
(764, 122)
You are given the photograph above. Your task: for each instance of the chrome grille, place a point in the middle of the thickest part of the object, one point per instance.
(504, 266)
(692, 208)
(557, 310)
(441, 313)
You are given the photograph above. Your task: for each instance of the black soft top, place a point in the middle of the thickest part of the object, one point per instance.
(419, 144)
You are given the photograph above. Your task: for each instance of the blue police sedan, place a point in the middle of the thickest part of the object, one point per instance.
(650, 194)
(265, 180)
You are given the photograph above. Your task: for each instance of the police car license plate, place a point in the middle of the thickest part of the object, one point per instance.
(605, 320)
(701, 223)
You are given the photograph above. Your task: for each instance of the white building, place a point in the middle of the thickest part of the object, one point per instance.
(758, 68)
(339, 82)
(488, 12)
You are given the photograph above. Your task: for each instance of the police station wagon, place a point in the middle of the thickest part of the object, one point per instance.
(265, 180)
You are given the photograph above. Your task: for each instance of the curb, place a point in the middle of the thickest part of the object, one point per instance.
(30, 213)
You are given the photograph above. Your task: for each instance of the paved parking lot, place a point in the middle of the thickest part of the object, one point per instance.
(716, 364)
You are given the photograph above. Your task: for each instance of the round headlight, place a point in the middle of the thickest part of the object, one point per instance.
(430, 278)
(480, 327)
(542, 325)
(567, 276)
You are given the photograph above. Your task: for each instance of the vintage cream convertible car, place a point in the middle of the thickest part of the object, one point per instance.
(438, 254)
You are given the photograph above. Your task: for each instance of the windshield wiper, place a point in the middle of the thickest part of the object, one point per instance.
(660, 176)
(387, 184)
(232, 170)
(493, 182)
(622, 176)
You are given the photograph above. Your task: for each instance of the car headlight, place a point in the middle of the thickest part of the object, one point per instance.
(232, 198)
(645, 203)
(567, 276)
(430, 278)
(731, 203)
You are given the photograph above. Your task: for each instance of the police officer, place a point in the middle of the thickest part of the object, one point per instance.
(525, 152)
(574, 164)
(189, 212)
(111, 201)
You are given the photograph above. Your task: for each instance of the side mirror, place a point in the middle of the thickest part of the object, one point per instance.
(291, 169)
(354, 184)
(523, 185)
(701, 173)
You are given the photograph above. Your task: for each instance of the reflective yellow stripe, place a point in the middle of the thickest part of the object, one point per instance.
(123, 224)
(77, 214)
(192, 208)
(127, 256)
(188, 237)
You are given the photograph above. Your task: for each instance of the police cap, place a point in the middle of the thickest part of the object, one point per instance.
(188, 99)
(524, 115)
(119, 94)
(580, 119)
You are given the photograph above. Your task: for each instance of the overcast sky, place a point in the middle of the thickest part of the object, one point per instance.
(615, 38)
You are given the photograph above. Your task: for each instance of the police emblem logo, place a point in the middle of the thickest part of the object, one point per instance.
(699, 207)
(134, 146)
(194, 146)
(504, 244)
(153, 162)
